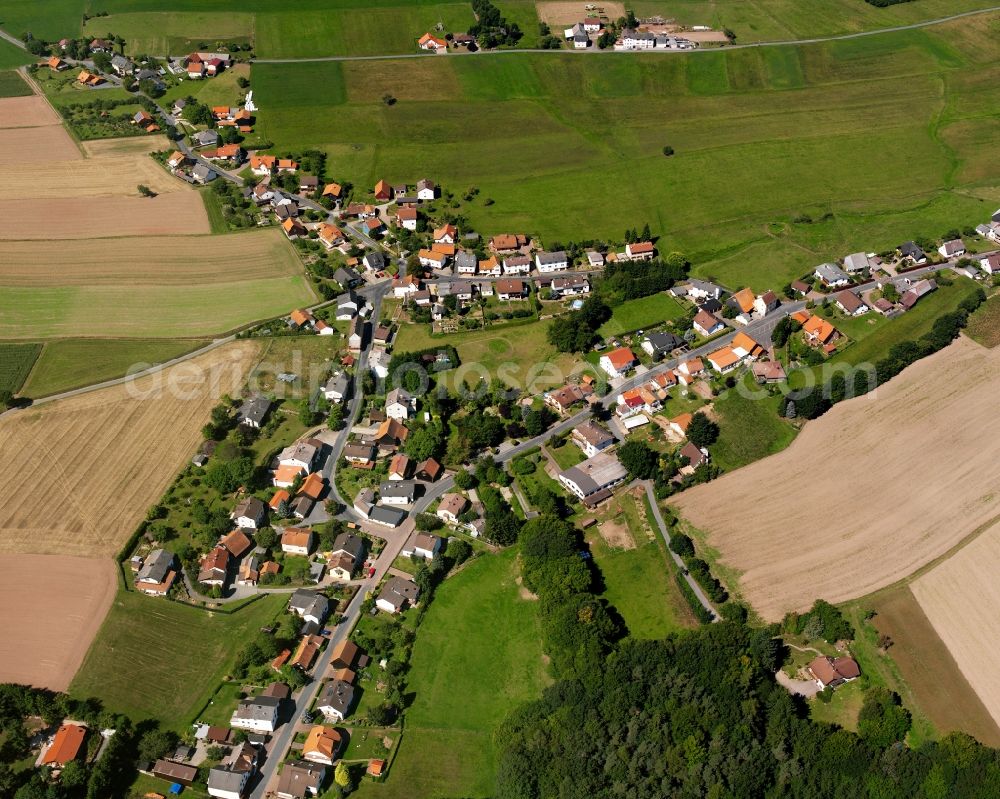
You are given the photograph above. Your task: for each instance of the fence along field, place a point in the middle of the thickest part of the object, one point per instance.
(867, 494)
(82, 472)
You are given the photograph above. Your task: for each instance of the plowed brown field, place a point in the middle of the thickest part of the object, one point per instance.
(51, 607)
(867, 494)
(81, 473)
(26, 112)
(20, 146)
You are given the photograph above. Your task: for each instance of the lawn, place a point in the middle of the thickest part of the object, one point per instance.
(12, 85)
(519, 354)
(66, 364)
(568, 455)
(159, 659)
(791, 174)
(477, 657)
(171, 32)
(639, 582)
(749, 426)
(16, 361)
(642, 313)
(984, 324)
(11, 57)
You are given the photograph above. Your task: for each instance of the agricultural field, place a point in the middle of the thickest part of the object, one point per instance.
(112, 453)
(519, 354)
(16, 361)
(984, 324)
(169, 32)
(918, 665)
(71, 594)
(12, 85)
(241, 277)
(154, 658)
(792, 169)
(11, 56)
(960, 598)
(636, 572)
(477, 656)
(66, 364)
(872, 446)
(638, 314)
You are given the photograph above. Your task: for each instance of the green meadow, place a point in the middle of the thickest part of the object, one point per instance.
(783, 158)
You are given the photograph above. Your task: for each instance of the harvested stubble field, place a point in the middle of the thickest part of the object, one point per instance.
(866, 495)
(43, 144)
(559, 13)
(82, 472)
(86, 217)
(71, 594)
(961, 598)
(27, 112)
(111, 166)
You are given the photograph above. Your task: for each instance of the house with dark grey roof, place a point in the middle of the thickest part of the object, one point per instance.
(593, 479)
(158, 564)
(913, 252)
(300, 779)
(337, 387)
(309, 605)
(206, 138)
(397, 594)
(346, 277)
(398, 492)
(832, 276)
(552, 261)
(335, 700)
(386, 516)
(258, 714)
(250, 513)
(202, 173)
(253, 411)
(661, 344)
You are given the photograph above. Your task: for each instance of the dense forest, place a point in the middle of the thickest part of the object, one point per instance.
(698, 714)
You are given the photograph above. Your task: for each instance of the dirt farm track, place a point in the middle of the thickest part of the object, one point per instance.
(82, 472)
(867, 494)
(72, 596)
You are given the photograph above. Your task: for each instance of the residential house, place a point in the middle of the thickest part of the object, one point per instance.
(348, 306)
(375, 261)
(706, 324)
(766, 303)
(253, 411)
(618, 362)
(229, 780)
(830, 672)
(551, 261)
(819, 332)
(594, 259)
(593, 480)
(294, 229)
(237, 542)
(745, 347)
(157, 573)
(768, 371)
(372, 226)
(640, 251)
(850, 303)
(659, 345)
(397, 594)
(491, 267)
(308, 184)
(446, 234)
(308, 649)
(177, 159)
(398, 492)
(912, 252)
(832, 276)
(346, 277)
(724, 360)
(364, 502)
(800, 287)
(360, 454)
(517, 265)
(66, 745)
(592, 438)
(399, 467)
(214, 567)
(302, 454)
(451, 507)
(695, 456)
(511, 289)
(466, 263)
(430, 258)
(567, 397)
(570, 286)
(338, 387)
(422, 545)
(400, 404)
(679, 424)
(249, 513)
(56, 64)
(258, 714)
(701, 290)
(990, 264)
(310, 606)
(356, 334)
(263, 165)
(286, 165)
(508, 243)
(348, 553)
(690, 370)
(407, 218)
(743, 301)
(426, 190)
(297, 541)
(330, 236)
(322, 745)
(917, 291)
(406, 287)
(300, 780)
(335, 700)
(433, 43)
(858, 262)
